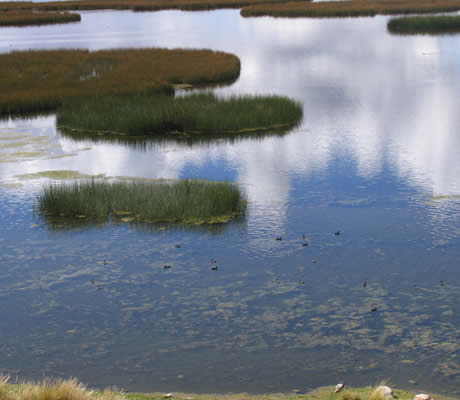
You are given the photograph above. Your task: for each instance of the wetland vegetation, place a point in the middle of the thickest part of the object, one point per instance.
(136, 5)
(353, 8)
(183, 201)
(34, 81)
(193, 114)
(425, 24)
(71, 389)
(30, 17)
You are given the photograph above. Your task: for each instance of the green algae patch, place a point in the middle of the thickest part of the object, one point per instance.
(12, 145)
(197, 114)
(445, 197)
(42, 80)
(183, 201)
(7, 185)
(439, 24)
(56, 174)
(20, 17)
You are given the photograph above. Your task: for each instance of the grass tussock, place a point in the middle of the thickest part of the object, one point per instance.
(353, 8)
(29, 17)
(195, 114)
(53, 390)
(183, 201)
(425, 24)
(37, 81)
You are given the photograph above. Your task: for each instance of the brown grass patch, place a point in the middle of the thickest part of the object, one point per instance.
(34, 81)
(352, 8)
(138, 5)
(49, 389)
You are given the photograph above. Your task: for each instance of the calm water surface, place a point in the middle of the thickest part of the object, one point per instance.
(376, 157)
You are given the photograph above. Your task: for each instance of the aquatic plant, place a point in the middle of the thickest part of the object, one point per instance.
(29, 17)
(194, 114)
(185, 201)
(34, 81)
(425, 24)
(350, 8)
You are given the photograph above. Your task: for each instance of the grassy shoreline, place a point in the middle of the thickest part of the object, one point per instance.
(194, 115)
(438, 24)
(33, 81)
(350, 8)
(73, 390)
(135, 5)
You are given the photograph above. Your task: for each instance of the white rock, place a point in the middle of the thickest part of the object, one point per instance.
(423, 396)
(339, 387)
(383, 392)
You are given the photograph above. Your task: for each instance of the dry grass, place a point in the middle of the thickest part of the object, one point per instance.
(29, 17)
(352, 8)
(35, 81)
(138, 5)
(53, 390)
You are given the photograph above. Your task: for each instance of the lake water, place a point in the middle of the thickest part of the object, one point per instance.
(376, 158)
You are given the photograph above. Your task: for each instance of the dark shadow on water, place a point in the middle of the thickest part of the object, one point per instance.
(158, 142)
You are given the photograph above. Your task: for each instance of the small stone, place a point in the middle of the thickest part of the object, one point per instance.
(383, 392)
(423, 396)
(339, 387)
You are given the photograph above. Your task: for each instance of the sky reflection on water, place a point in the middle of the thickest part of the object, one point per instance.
(379, 139)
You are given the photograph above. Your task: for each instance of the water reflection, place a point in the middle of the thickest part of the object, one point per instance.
(379, 138)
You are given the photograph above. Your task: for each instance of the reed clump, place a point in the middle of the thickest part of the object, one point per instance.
(30, 17)
(353, 8)
(193, 114)
(183, 201)
(50, 389)
(36, 81)
(425, 24)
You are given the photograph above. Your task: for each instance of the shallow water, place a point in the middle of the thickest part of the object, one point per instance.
(375, 158)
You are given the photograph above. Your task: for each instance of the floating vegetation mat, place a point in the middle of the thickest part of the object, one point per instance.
(352, 8)
(23, 146)
(194, 114)
(183, 201)
(425, 24)
(34, 81)
(29, 17)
